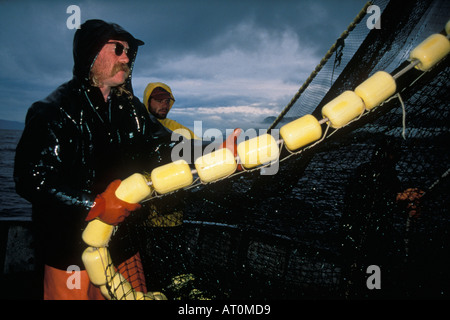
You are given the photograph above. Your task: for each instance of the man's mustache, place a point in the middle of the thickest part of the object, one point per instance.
(121, 67)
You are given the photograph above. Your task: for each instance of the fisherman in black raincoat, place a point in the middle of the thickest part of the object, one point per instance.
(88, 133)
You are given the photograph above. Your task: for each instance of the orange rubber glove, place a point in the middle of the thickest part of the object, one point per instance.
(411, 197)
(110, 209)
(231, 143)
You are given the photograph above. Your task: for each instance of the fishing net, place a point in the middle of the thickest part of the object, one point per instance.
(315, 228)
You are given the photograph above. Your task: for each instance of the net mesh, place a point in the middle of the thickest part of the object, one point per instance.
(313, 229)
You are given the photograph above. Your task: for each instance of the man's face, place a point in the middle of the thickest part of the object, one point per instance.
(111, 66)
(159, 108)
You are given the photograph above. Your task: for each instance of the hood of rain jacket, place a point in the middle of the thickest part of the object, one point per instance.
(152, 86)
(170, 124)
(90, 39)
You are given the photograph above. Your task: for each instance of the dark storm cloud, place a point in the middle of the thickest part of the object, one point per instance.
(223, 59)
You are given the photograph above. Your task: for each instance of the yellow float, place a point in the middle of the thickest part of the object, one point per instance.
(301, 132)
(343, 109)
(430, 51)
(376, 89)
(133, 189)
(215, 165)
(257, 151)
(171, 176)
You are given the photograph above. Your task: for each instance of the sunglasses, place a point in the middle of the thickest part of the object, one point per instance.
(163, 100)
(120, 48)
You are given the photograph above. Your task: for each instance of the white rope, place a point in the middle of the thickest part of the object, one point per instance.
(403, 115)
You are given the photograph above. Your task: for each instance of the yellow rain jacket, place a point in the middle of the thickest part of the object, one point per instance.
(155, 219)
(168, 123)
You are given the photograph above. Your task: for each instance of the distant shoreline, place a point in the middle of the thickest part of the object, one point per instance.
(11, 125)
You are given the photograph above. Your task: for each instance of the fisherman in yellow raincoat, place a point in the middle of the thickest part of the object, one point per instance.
(167, 271)
(158, 99)
(167, 224)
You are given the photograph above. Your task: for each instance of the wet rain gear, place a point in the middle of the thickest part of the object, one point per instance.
(74, 144)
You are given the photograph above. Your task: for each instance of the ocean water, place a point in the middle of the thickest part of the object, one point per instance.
(12, 206)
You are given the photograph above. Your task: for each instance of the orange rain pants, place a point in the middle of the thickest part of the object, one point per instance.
(56, 286)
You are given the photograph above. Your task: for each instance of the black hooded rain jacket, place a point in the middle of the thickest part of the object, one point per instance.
(74, 144)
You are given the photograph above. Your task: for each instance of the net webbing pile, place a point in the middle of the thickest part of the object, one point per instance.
(313, 229)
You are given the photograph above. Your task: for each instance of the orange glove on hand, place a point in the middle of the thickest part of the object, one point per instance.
(412, 198)
(110, 209)
(231, 143)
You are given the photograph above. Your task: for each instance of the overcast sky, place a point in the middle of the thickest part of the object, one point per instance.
(229, 63)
